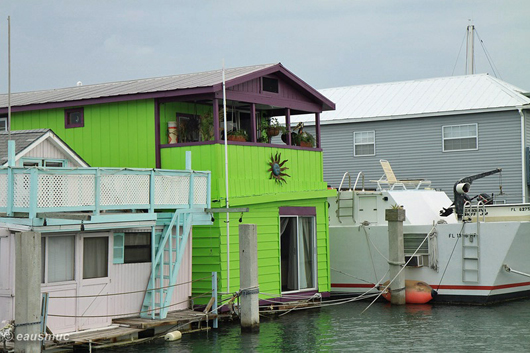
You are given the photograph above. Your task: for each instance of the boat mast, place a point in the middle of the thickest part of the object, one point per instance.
(470, 52)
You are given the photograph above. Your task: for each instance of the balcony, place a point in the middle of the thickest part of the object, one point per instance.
(34, 193)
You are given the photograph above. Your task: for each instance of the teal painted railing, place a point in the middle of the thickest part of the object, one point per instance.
(38, 190)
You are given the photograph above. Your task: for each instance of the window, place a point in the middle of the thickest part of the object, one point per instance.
(364, 143)
(412, 243)
(95, 257)
(460, 137)
(269, 84)
(297, 248)
(74, 118)
(36, 162)
(132, 247)
(57, 259)
(3, 123)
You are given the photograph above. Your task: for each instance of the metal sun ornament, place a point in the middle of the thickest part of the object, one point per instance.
(277, 169)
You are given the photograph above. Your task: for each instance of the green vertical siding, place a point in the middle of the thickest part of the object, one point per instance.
(115, 134)
(248, 166)
(209, 248)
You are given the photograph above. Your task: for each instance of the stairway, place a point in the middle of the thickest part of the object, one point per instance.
(169, 250)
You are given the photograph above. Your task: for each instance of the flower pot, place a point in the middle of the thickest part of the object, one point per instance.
(236, 138)
(305, 144)
(273, 131)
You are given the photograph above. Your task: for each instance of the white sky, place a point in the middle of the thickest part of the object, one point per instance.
(327, 43)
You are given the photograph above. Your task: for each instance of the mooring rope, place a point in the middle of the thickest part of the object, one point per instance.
(125, 293)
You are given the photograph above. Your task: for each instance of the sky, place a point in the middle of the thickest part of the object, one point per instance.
(327, 43)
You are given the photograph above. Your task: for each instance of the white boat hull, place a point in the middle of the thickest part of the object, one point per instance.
(455, 266)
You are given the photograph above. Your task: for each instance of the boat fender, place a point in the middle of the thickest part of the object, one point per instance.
(173, 336)
(416, 292)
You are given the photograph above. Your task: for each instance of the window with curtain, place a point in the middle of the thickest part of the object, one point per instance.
(95, 257)
(60, 253)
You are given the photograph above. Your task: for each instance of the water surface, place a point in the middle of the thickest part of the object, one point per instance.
(382, 328)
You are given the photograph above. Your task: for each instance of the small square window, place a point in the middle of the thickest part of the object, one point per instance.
(269, 84)
(74, 118)
(364, 143)
(137, 247)
(3, 124)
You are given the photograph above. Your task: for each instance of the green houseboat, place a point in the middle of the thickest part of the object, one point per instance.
(274, 170)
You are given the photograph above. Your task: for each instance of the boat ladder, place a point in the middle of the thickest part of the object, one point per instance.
(169, 251)
(346, 204)
(471, 245)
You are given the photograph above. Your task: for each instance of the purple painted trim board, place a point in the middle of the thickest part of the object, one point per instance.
(298, 211)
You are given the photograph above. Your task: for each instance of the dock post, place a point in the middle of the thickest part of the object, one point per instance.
(395, 218)
(214, 294)
(248, 277)
(27, 292)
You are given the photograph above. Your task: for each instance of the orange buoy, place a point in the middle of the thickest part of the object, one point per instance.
(416, 292)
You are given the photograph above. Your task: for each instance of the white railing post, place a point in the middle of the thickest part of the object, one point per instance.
(152, 191)
(33, 192)
(97, 192)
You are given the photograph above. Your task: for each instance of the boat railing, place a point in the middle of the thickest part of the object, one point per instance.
(44, 190)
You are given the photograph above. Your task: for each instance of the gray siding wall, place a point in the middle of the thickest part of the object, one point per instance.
(527, 144)
(414, 149)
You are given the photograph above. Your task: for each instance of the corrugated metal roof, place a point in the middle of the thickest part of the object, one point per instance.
(149, 85)
(457, 94)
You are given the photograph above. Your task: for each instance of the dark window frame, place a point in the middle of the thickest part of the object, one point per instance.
(67, 113)
(4, 118)
(266, 85)
(128, 248)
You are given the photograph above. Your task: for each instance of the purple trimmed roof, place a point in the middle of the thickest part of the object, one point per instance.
(155, 86)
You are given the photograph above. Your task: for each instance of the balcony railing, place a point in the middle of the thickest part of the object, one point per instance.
(36, 190)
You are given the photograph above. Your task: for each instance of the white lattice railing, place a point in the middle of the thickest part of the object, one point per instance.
(94, 189)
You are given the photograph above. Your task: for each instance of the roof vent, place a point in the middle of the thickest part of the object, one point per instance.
(79, 83)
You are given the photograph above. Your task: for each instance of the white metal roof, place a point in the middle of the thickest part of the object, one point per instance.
(436, 96)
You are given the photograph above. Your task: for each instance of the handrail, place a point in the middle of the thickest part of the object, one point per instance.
(342, 181)
(480, 205)
(357, 179)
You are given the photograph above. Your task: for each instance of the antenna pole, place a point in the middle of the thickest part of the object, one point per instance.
(470, 53)
(226, 185)
(9, 77)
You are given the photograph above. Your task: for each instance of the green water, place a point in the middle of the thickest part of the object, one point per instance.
(382, 328)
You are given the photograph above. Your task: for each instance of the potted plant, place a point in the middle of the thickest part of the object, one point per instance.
(304, 139)
(269, 127)
(238, 135)
(273, 127)
(206, 126)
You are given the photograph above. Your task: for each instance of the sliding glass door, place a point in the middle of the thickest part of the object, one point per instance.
(298, 253)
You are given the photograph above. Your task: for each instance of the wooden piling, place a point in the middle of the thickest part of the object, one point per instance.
(395, 218)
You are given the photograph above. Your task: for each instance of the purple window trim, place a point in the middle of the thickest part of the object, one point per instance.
(298, 211)
(67, 125)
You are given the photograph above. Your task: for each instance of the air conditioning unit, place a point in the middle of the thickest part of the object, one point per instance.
(417, 261)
